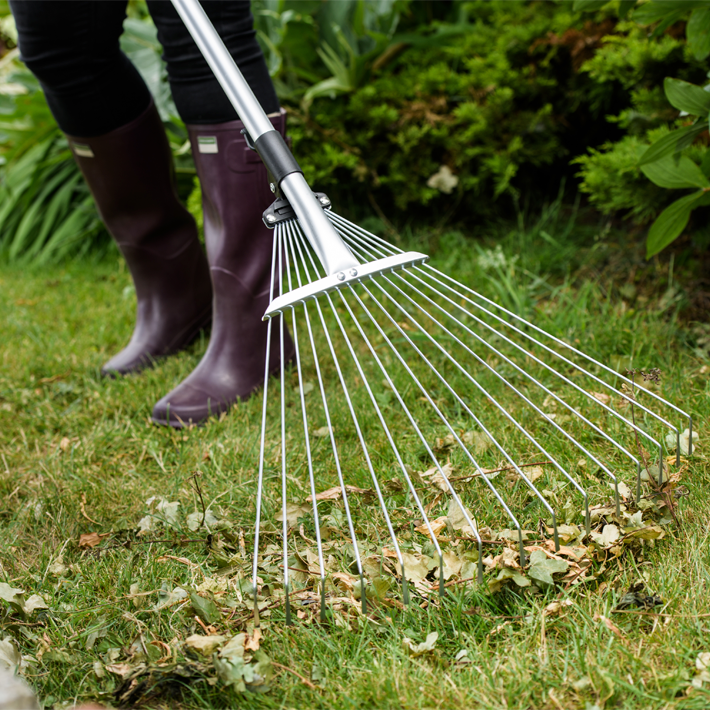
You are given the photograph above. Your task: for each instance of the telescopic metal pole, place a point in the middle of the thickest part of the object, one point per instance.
(329, 247)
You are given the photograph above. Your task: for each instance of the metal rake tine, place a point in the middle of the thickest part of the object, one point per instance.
(495, 402)
(481, 361)
(360, 435)
(448, 425)
(383, 247)
(260, 479)
(594, 400)
(403, 468)
(569, 362)
(580, 353)
(298, 239)
(549, 368)
(499, 406)
(283, 256)
(309, 457)
(422, 438)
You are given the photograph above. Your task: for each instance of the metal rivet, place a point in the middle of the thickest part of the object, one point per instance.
(341, 276)
(353, 272)
(324, 201)
(270, 218)
(273, 187)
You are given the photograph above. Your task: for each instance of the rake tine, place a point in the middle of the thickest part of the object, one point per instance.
(425, 517)
(346, 503)
(351, 232)
(283, 256)
(309, 457)
(260, 478)
(429, 451)
(362, 441)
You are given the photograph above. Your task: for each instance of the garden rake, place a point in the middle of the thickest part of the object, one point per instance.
(399, 368)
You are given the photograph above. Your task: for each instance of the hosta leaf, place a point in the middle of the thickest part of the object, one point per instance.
(698, 32)
(672, 143)
(670, 223)
(687, 97)
(675, 173)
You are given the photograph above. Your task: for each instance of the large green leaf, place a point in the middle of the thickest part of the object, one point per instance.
(665, 12)
(698, 32)
(672, 143)
(675, 173)
(687, 97)
(670, 223)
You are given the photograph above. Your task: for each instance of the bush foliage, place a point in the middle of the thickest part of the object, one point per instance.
(427, 110)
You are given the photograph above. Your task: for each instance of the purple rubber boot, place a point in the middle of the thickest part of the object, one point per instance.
(130, 174)
(235, 192)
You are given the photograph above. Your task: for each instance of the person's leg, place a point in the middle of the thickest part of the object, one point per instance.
(198, 96)
(235, 192)
(73, 49)
(101, 102)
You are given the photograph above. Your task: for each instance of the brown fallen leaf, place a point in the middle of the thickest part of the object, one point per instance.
(120, 669)
(252, 642)
(92, 539)
(609, 624)
(337, 492)
(436, 526)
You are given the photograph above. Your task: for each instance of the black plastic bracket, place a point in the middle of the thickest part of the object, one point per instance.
(247, 138)
(280, 210)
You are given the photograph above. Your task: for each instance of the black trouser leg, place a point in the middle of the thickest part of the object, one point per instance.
(91, 86)
(72, 47)
(198, 96)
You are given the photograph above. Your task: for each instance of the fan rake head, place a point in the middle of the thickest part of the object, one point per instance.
(401, 369)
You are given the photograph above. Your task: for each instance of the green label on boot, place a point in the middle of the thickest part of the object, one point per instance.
(83, 150)
(207, 144)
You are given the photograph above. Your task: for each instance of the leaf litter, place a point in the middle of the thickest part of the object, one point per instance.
(217, 641)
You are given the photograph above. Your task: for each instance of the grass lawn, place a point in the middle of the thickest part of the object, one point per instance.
(80, 456)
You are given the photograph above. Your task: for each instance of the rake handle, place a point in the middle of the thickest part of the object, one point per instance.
(329, 247)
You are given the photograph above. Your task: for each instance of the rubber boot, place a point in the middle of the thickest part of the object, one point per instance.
(130, 174)
(235, 192)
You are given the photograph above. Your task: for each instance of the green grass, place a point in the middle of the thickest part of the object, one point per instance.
(79, 455)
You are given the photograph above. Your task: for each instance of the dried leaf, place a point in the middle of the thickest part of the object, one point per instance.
(609, 624)
(416, 567)
(92, 539)
(542, 568)
(437, 526)
(120, 669)
(435, 478)
(601, 397)
(294, 511)
(33, 603)
(166, 598)
(252, 642)
(608, 536)
(322, 431)
(672, 444)
(11, 595)
(337, 492)
(418, 649)
(194, 520)
(205, 644)
(458, 520)
(206, 609)
(10, 657)
(514, 574)
(554, 608)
